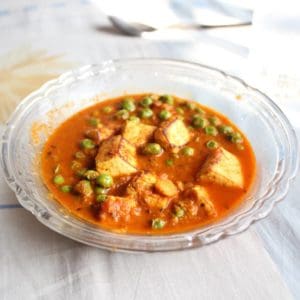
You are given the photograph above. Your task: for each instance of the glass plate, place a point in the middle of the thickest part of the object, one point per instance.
(270, 133)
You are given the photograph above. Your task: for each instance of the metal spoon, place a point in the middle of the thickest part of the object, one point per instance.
(137, 29)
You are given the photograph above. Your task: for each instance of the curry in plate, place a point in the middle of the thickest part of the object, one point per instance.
(148, 164)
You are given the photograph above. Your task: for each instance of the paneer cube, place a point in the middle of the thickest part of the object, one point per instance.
(142, 187)
(199, 195)
(106, 132)
(84, 188)
(116, 157)
(190, 207)
(137, 133)
(166, 187)
(141, 183)
(155, 201)
(100, 134)
(119, 208)
(172, 134)
(222, 167)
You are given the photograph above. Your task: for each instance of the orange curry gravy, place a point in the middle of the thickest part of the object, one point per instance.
(65, 161)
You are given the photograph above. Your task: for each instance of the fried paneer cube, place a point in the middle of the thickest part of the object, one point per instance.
(166, 187)
(172, 134)
(100, 134)
(137, 133)
(119, 208)
(199, 195)
(156, 201)
(141, 183)
(222, 167)
(116, 157)
(190, 207)
(106, 132)
(84, 188)
(142, 188)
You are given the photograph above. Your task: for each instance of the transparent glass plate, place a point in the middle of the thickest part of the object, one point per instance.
(270, 133)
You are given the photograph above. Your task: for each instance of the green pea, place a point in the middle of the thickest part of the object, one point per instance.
(94, 122)
(79, 155)
(107, 109)
(91, 174)
(167, 99)
(180, 110)
(199, 110)
(66, 188)
(101, 198)
(134, 119)
(214, 121)
(158, 223)
(122, 114)
(147, 101)
(58, 179)
(152, 149)
(236, 138)
(191, 105)
(164, 115)
(169, 162)
(179, 212)
(227, 130)
(211, 130)
(104, 180)
(188, 151)
(128, 104)
(100, 191)
(198, 121)
(146, 113)
(87, 144)
(212, 144)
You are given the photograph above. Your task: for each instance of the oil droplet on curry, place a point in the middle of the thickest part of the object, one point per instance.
(148, 164)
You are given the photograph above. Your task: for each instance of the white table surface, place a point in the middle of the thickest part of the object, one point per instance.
(41, 39)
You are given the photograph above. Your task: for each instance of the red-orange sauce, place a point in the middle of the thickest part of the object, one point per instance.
(64, 143)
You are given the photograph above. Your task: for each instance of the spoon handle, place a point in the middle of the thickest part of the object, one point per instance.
(204, 26)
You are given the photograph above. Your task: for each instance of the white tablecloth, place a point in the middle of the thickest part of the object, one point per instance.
(39, 40)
